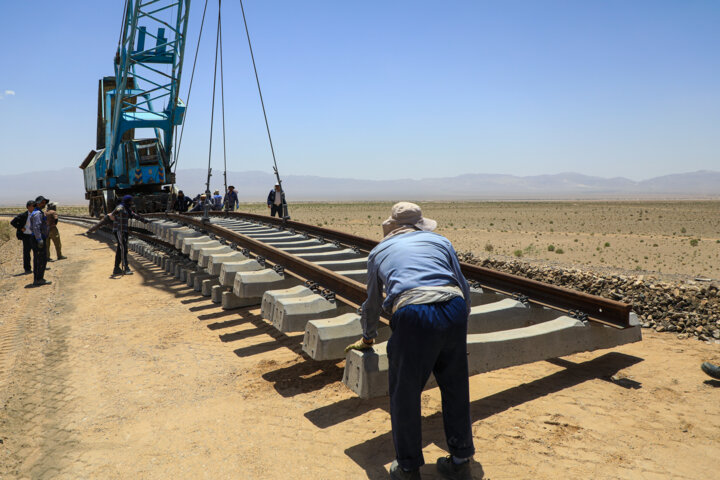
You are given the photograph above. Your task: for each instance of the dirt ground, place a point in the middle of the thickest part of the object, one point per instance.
(141, 377)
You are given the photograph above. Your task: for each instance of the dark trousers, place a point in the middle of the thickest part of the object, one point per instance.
(425, 339)
(276, 209)
(27, 248)
(121, 255)
(39, 260)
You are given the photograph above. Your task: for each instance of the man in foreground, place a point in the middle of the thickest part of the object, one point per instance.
(23, 232)
(429, 301)
(120, 217)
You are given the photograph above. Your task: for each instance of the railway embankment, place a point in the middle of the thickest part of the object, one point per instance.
(687, 307)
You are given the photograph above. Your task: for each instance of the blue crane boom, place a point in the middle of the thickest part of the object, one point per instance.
(143, 94)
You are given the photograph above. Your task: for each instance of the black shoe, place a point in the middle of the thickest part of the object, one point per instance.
(712, 370)
(62, 257)
(117, 271)
(397, 473)
(27, 272)
(450, 471)
(128, 271)
(42, 282)
(50, 260)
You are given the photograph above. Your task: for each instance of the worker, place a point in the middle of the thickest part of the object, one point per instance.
(182, 203)
(231, 200)
(39, 227)
(200, 204)
(217, 200)
(276, 200)
(428, 298)
(23, 232)
(53, 233)
(711, 369)
(120, 217)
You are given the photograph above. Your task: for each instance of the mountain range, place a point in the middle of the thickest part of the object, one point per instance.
(66, 186)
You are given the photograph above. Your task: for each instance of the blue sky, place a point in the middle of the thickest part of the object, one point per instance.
(395, 89)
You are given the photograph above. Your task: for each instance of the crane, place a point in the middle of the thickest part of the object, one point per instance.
(143, 94)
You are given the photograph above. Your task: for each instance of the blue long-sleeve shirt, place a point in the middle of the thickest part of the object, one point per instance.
(38, 224)
(404, 262)
(231, 200)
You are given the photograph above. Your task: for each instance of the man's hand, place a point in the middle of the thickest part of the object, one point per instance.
(41, 243)
(361, 344)
(23, 229)
(268, 205)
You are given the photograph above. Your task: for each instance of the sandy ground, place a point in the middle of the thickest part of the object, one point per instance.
(140, 377)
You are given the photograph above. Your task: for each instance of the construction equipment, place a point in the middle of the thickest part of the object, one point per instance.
(143, 94)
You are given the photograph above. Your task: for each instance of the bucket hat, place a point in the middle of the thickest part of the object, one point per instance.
(406, 214)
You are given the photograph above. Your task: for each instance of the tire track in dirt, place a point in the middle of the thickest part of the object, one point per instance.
(35, 374)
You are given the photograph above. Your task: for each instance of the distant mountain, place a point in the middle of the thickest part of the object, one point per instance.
(66, 186)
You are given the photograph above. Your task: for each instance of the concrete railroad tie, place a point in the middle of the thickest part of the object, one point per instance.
(366, 372)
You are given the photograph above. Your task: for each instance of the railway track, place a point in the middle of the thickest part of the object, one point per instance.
(312, 279)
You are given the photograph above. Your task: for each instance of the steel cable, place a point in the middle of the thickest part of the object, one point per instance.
(212, 108)
(262, 103)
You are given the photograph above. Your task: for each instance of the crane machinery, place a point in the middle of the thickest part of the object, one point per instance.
(143, 94)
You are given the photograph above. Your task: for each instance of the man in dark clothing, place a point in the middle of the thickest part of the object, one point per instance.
(120, 217)
(54, 234)
(200, 204)
(276, 200)
(23, 232)
(39, 226)
(182, 203)
(231, 200)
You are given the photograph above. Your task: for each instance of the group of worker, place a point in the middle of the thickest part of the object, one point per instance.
(229, 202)
(36, 228)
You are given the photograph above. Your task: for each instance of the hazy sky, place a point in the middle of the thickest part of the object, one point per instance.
(393, 89)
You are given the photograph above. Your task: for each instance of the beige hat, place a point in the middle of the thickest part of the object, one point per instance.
(406, 214)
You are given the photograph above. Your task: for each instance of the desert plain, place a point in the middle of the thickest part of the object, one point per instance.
(141, 377)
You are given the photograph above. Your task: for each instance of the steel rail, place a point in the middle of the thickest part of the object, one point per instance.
(582, 305)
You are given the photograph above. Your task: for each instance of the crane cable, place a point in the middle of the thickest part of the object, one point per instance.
(267, 125)
(222, 100)
(212, 113)
(178, 143)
